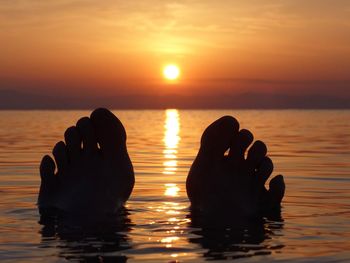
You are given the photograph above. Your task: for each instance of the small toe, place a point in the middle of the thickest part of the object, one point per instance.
(264, 171)
(47, 168)
(73, 143)
(60, 154)
(47, 186)
(240, 145)
(256, 154)
(219, 135)
(276, 190)
(110, 132)
(86, 130)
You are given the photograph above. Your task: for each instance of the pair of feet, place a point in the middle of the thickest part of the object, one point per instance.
(92, 171)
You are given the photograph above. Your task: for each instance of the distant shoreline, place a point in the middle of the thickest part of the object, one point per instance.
(177, 108)
(19, 100)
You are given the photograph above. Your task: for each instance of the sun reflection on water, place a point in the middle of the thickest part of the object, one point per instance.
(172, 129)
(171, 141)
(171, 190)
(171, 209)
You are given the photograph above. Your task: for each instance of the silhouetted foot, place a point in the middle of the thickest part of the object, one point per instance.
(232, 183)
(94, 172)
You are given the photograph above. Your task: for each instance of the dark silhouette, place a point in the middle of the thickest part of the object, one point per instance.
(233, 183)
(97, 178)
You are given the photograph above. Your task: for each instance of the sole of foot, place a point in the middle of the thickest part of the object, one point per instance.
(233, 183)
(91, 172)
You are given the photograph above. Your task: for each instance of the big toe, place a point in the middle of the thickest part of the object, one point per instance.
(109, 131)
(215, 140)
(218, 136)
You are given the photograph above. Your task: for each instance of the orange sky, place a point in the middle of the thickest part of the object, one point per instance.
(120, 47)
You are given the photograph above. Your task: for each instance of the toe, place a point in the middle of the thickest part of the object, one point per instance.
(86, 130)
(264, 171)
(240, 145)
(215, 140)
(109, 131)
(60, 154)
(47, 169)
(47, 174)
(219, 135)
(73, 143)
(256, 154)
(276, 190)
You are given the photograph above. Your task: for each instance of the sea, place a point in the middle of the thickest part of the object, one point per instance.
(310, 148)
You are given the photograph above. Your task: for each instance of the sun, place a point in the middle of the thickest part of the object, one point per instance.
(171, 72)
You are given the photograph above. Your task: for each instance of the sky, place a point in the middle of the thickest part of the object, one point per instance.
(119, 48)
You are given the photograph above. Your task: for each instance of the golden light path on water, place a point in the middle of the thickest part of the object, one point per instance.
(171, 142)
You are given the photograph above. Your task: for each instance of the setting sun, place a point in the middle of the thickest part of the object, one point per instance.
(171, 72)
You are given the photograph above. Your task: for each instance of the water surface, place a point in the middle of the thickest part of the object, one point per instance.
(311, 148)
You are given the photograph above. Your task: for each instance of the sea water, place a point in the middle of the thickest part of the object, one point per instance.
(311, 148)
